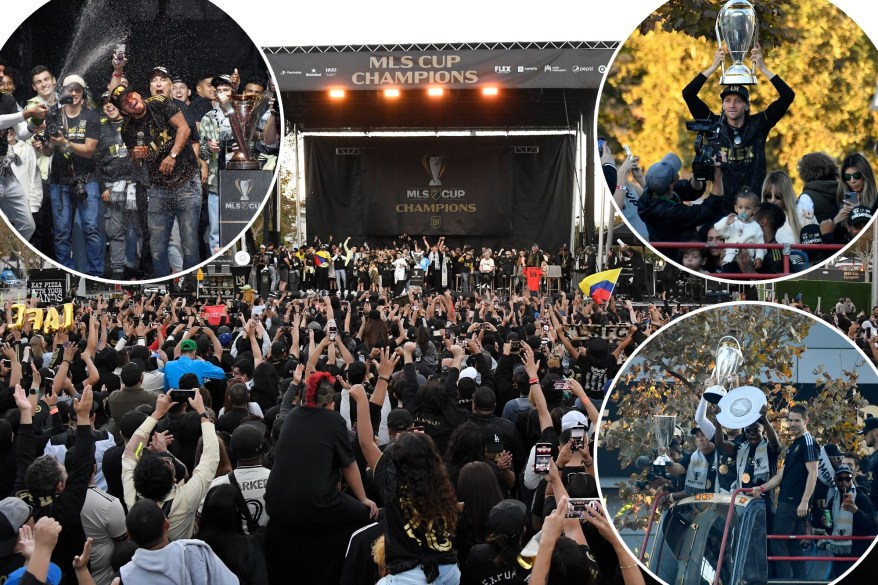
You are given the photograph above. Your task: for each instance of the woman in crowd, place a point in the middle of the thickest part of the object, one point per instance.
(420, 512)
(778, 189)
(857, 177)
(221, 527)
(478, 489)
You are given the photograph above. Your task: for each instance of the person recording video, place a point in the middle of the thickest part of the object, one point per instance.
(742, 134)
(70, 137)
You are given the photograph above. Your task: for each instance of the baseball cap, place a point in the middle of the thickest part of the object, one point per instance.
(493, 444)
(471, 372)
(810, 234)
(13, 513)
(130, 422)
(247, 440)
(740, 90)
(225, 339)
(118, 94)
(660, 175)
(165, 72)
(574, 418)
(188, 345)
(507, 517)
(219, 80)
(869, 424)
(399, 420)
(70, 79)
(860, 215)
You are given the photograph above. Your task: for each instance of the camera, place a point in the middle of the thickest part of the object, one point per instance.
(79, 190)
(708, 144)
(53, 118)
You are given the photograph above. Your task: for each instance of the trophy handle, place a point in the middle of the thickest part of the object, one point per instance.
(720, 342)
(719, 40)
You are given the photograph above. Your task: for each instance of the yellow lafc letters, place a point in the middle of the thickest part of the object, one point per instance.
(49, 320)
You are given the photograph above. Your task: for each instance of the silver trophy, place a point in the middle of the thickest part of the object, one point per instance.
(244, 114)
(736, 26)
(728, 359)
(663, 434)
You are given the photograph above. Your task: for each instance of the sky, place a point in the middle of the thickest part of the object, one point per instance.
(396, 21)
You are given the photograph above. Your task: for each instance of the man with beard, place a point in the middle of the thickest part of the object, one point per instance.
(756, 459)
(156, 133)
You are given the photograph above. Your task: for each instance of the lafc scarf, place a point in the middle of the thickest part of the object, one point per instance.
(698, 471)
(842, 521)
(761, 471)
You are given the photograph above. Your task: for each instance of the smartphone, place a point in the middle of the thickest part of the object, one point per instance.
(577, 435)
(576, 507)
(130, 304)
(543, 458)
(181, 395)
(601, 142)
(544, 342)
(851, 196)
(545, 328)
(515, 346)
(562, 384)
(627, 150)
(333, 332)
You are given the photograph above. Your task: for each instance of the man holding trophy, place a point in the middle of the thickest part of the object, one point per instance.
(742, 134)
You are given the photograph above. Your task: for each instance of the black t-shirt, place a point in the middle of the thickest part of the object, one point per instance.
(230, 419)
(872, 478)
(407, 543)
(7, 106)
(481, 570)
(159, 135)
(199, 106)
(66, 168)
(595, 373)
(313, 446)
(795, 473)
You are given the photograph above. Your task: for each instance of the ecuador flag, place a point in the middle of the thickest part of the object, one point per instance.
(600, 286)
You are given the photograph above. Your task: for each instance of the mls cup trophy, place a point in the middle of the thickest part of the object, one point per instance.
(728, 359)
(736, 26)
(663, 434)
(244, 113)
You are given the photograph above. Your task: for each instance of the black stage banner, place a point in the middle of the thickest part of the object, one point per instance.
(455, 69)
(494, 190)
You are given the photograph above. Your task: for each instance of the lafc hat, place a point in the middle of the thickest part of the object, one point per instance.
(118, 94)
(740, 90)
(164, 71)
(860, 215)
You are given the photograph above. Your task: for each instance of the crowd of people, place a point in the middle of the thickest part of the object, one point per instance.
(121, 182)
(370, 438)
(745, 204)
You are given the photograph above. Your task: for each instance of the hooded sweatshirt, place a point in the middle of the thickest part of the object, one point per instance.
(182, 562)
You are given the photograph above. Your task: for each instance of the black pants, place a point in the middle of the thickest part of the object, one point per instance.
(787, 521)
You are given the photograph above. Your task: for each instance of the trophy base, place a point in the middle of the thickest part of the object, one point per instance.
(714, 394)
(738, 79)
(243, 165)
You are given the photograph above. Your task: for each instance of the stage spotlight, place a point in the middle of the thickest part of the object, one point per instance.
(391, 93)
(489, 91)
(336, 94)
(435, 92)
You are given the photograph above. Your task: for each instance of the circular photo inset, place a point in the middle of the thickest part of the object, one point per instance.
(737, 127)
(133, 148)
(734, 448)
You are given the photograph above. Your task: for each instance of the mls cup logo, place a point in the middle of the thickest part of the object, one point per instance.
(245, 186)
(435, 167)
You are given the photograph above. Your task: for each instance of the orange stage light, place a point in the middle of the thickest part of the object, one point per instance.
(490, 91)
(435, 92)
(391, 93)
(336, 94)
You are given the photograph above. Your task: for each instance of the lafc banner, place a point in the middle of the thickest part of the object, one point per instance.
(438, 187)
(457, 69)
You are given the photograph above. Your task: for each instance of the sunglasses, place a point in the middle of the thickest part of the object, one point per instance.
(769, 195)
(844, 479)
(855, 176)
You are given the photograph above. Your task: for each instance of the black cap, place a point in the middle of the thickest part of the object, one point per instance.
(399, 420)
(860, 215)
(869, 424)
(740, 90)
(219, 80)
(247, 440)
(118, 94)
(160, 69)
(484, 399)
(507, 517)
(493, 443)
